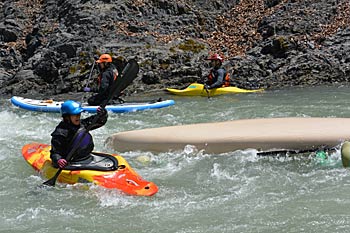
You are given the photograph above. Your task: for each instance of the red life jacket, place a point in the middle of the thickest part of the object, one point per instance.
(226, 80)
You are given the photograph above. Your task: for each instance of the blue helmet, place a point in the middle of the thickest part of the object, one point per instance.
(71, 107)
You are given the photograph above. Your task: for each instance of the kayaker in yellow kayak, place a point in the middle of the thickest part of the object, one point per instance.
(69, 132)
(218, 76)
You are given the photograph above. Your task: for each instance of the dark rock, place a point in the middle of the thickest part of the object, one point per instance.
(7, 35)
(47, 71)
(150, 78)
(25, 75)
(269, 44)
(69, 49)
(272, 3)
(4, 76)
(33, 41)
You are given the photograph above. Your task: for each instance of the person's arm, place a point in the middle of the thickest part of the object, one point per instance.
(58, 143)
(102, 119)
(220, 80)
(102, 89)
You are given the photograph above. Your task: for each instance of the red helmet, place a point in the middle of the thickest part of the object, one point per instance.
(215, 56)
(104, 58)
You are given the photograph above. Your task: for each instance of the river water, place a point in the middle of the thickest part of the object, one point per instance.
(198, 192)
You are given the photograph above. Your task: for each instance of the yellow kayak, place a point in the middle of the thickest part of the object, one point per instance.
(197, 89)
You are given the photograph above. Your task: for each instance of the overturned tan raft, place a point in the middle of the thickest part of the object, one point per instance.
(261, 134)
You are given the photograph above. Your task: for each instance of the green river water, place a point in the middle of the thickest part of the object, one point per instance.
(198, 192)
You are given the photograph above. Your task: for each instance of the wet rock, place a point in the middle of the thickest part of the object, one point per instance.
(269, 44)
(46, 70)
(7, 35)
(150, 78)
(4, 76)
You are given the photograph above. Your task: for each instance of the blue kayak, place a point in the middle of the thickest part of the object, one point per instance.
(50, 105)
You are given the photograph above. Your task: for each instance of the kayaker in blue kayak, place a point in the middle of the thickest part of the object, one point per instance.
(108, 74)
(218, 77)
(70, 132)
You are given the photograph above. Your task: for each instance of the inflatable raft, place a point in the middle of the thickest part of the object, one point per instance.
(262, 134)
(197, 89)
(50, 105)
(107, 170)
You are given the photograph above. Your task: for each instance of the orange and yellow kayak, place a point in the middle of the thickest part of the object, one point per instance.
(107, 170)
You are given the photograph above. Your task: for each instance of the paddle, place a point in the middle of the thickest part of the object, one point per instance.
(206, 89)
(90, 75)
(88, 81)
(128, 74)
(275, 152)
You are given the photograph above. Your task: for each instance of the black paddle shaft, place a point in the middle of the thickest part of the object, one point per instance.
(276, 152)
(128, 74)
(206, 89)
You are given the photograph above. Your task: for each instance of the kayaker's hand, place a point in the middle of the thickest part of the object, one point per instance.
(62, 163)
(101, 111)
(206, 87)
(87, 89)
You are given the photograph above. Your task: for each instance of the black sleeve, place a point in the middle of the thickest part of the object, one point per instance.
(58, 145)
(100, 121)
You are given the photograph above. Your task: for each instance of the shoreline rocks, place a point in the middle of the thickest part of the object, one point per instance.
(269, 44)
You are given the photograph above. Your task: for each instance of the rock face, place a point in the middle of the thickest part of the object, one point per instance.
(49, 47)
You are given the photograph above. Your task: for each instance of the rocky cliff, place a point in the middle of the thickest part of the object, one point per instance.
(49, 46)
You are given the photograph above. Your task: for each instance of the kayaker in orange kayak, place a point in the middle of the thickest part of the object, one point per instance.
(69, 132)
